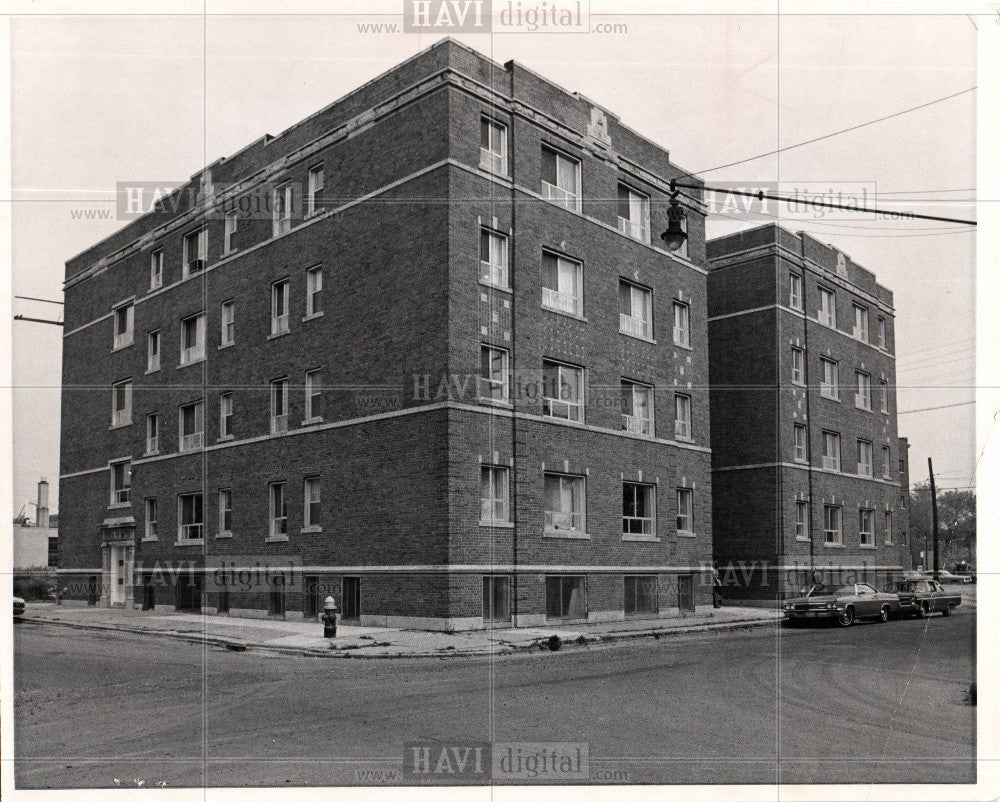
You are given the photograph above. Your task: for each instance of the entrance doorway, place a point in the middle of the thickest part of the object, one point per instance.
(188, 593)
(350, 602)
(685, 592)
(120, 574)
(310, 596)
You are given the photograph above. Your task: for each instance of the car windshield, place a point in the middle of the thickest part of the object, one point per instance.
(831, 590)
(905, 587)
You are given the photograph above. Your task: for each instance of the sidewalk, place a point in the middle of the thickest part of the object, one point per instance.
(306, 637)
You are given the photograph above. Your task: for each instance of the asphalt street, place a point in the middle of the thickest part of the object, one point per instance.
(872, 703)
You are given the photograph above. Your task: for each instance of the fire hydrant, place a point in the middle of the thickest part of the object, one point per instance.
(329, 618)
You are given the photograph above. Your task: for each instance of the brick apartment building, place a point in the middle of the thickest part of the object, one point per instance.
(808, 471)
(450, 376)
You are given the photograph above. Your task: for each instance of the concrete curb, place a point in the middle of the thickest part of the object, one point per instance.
(539, 644)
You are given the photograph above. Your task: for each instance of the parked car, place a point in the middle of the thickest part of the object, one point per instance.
(948, 576)
(18, 607)
(921, 597)
(845, 603)
(964, 570)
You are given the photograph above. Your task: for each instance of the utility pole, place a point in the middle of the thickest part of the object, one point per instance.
(934, 515)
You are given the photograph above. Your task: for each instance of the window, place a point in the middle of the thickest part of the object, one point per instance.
(314, 291)
(225, 416)
(863, 396)
(881, 332)
(496, 599)
(225, 512)
(561, 179)
(493, 258)
(866, 527)
(886, 463)
(494, 373)
(124, 324)
(798, 366)
(832, 528)
(149, 526)
(860, 323)
(682, 417)
(312, 516)
(121, 403)
(314, 198)
(888, 527)
(562, 284)
(640, 595)
(279, 307)
(565, 499)
(633, 213)
(827, 308)
(637, 408)
(278, 506)
(152, 352)
(884, 395)
(903, 539)
(902, 466)
(562, 391)
(638, 510)
(801, 443)
(492, 146)
(282, 223)
(153, 433)
(802, 520)
(279, 406)
(155, 270)
(192, 426)
(494, 494)
(829, 387)
(121, 483)
(864, 458)
(195, 252)
(227, 323)
(193, 339)
(565, 597)
(682, 324)
(314, 396)
(831, 451)
(795, 291)
(191, 517)
(231, 222)
(635, 310)
(685, 511)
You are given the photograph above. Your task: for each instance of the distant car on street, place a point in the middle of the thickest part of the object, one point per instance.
(948, 577)
(964, 570)
(19, 606)
(845, 603)
(921, 597)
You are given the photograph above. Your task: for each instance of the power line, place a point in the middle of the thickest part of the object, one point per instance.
(837, 133)
(761, 195)
(42, 300)
(928, 409)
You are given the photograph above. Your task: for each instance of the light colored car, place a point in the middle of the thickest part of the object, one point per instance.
(846, 603)
(19, 606)
(948, 577)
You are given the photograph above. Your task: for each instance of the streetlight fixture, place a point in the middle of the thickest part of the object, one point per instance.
(675, 235)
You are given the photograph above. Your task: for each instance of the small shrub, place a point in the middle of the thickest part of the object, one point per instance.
(554, 643)
(32, 588)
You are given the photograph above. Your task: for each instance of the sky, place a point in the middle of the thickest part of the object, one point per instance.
(101, 99)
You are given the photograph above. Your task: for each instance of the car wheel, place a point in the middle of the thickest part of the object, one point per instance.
(883, 614)
(846, 617)
(947, 610)
(924, 610)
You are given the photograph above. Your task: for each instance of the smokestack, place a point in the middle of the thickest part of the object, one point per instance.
(42, 516)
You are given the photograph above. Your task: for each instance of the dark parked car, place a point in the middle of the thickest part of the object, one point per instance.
(18, 607)
(921, 597)
(846, 603)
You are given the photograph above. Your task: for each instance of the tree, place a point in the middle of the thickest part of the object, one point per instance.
(957, 525)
